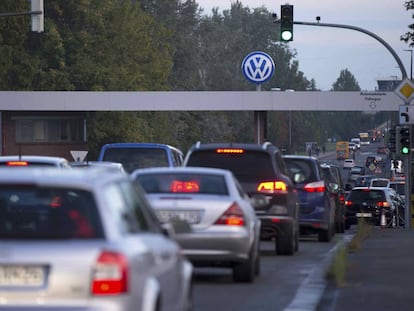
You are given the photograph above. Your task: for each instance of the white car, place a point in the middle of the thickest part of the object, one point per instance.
(85, 240)
(349, 163)
(33, 160)
(224, 230)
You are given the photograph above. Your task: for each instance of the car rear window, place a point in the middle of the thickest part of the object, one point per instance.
(183, 183)
(246, 165)
(305, 167)
(134, 158)
(31, 212)
(366, 195)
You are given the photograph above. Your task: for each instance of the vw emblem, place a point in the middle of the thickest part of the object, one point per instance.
(258, 67)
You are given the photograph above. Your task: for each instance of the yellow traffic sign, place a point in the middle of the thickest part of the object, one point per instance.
(405, 90)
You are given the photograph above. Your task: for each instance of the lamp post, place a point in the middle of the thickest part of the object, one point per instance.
(411, 63)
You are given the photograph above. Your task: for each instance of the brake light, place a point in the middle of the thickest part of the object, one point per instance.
(383, 204)
(342, 198)
(233, 216)
(348, 203)
(317, 186)
(184, 186)
(17, 163)
(272, 187)
(230, 150)
(110, 275)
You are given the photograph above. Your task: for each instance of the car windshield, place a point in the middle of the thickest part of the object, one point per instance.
(134, 158)
(31, 212)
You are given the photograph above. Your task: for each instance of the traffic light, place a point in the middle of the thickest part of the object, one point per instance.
(392, 140)
(37, 15)
(405, 140)
(286, 22)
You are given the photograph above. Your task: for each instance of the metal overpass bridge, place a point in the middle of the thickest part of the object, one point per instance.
(369, 101)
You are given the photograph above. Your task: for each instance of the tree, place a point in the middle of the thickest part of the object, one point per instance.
(408, 37)
(346, 82)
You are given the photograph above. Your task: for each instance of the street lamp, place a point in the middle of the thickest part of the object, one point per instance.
(411, 63)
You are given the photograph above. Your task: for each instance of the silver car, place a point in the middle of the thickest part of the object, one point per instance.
(85, 240)
(223, 230)
(33, 160)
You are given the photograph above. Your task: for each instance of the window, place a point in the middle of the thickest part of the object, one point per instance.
(49, 129)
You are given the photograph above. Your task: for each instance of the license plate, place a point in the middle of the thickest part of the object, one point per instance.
(192, 217)
(22, 276)
(364, 214)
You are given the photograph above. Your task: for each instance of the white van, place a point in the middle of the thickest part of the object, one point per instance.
(357, 142)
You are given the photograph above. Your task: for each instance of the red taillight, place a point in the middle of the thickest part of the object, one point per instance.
(233, 216)
(383, 204)
(272, 187)
(110, 275)
(17, 163)
(348, 203)
(185, 186)
(230, 150)
(317, 186)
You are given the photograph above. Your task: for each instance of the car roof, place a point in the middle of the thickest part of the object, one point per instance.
(247, 146)
(303, 157)
(36, 158)
(53, 176)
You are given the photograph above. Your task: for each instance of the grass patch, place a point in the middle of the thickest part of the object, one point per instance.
(337, 270)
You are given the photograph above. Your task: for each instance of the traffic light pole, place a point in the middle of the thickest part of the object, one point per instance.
(369, 33)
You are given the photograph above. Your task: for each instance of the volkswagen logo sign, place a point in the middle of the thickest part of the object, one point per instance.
(258, 67)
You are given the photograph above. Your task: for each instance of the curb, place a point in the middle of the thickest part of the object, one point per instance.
(312, 289)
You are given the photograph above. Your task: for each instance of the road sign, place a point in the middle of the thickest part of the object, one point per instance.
(406, 114)
(258, 67)
(78, 155)
(405, 90)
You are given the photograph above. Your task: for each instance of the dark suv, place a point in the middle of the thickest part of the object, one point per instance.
(262, 173)
(316, 196)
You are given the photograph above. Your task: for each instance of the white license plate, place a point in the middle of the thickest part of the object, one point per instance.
(192, 217)
(22, 276)
(363, 214)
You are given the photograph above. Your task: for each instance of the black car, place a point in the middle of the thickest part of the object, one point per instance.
(370, 203)
(262, 173)
(334, 176)
(316, 196)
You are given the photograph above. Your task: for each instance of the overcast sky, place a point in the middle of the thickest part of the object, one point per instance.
(323, 52)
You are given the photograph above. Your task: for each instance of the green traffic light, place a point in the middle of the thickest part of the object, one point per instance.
(286, 35)
(405, 150)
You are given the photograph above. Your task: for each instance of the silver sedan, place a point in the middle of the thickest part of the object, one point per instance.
(85, 240)
(223, 229)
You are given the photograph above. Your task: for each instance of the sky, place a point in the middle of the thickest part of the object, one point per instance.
(322, 52)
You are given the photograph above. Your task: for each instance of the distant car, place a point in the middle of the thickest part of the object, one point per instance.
(369, 203)
(357, 142)
(316, 196)
(355, 172)
(85, 240)
(334, 176)
(114, 166)
(263, 174)
(225, 231)
(380, 182)
(352, 146)
(33, 160)
(349, 163)
(141, 155)
(382, 150)
(363, 180)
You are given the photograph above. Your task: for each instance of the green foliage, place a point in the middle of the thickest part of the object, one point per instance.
(148, 45)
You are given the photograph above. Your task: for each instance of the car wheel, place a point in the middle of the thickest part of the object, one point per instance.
(246, 271)
(285, 245)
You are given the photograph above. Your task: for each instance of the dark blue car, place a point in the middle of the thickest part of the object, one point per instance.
(316, 196)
